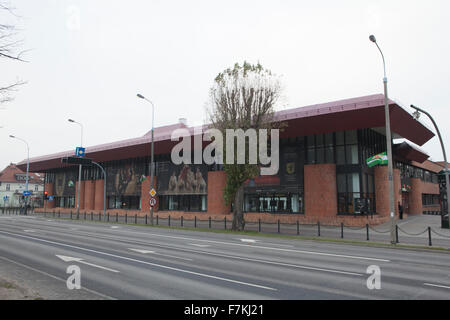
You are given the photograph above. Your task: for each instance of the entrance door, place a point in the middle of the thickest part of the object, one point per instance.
(405, 202)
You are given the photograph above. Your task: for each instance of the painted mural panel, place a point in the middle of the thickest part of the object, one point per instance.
(65, 183)
(182, 179)
(125, 179)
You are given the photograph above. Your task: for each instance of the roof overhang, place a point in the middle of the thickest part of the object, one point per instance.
(408, 152)
(350, 114)
(357, 113)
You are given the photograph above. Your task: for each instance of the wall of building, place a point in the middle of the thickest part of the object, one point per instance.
(419, 187)
(216, 184)
(382, 191)
(320, 190)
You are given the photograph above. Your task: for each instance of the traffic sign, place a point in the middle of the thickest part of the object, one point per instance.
(152, 202)
(77, 160)
(50, 198)
(153, 192)
(5, 198)
(80, 151)
(27, 193)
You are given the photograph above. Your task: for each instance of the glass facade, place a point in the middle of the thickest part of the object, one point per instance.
(184, 187)
(347, 149)
(276, 203)
(196, 203)
(124, 202)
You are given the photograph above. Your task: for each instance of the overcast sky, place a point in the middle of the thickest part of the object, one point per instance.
(88, 59)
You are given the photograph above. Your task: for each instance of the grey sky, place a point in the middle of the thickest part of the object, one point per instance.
(88, 60)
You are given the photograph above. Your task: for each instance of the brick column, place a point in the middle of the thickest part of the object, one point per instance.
(89, 194)
(320, 190)
(98, 194)
(382, 190)
(216, 184)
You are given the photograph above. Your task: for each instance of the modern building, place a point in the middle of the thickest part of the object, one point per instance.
(12, 186)
(323, 174)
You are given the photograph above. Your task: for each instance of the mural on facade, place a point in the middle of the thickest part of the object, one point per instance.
(125, 180)
(65, 183)
(291, 167)
(182, 179)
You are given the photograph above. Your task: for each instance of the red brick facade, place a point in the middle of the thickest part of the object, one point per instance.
(320, 190)
(382, 191)
(320, 199)
(419, 187)
(216, 185)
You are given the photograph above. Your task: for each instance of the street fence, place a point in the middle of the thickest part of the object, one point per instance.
(318, 230)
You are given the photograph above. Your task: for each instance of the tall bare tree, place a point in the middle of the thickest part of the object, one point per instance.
(242, 98)
(9, 48)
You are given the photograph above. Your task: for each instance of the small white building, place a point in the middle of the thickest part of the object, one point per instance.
(13, 185)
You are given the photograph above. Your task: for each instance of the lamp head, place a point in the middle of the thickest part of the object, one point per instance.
(140, 96)
(373, 39)
(11, 136)
(416, 114)
(70, 120)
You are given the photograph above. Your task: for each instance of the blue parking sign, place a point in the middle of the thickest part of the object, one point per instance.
(79, 152)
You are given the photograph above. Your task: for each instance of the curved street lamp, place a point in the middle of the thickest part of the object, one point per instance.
(416, 115)
(152, 151)
(79, 168)
(28, 169)
(388, 147)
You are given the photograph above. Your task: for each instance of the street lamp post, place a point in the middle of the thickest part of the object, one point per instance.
(447, 185)
(28, 169)
(104, 188)
(389, 147)
(79, 168)
(152, 152)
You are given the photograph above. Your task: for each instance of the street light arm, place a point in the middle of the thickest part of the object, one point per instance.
(70, 120)
(447, 179)
(384, 62)
(436, 127)
(104, 187)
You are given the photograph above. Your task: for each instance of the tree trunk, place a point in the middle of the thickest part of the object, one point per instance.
(238, 214)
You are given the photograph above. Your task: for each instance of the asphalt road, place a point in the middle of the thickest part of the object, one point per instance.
(135, 262)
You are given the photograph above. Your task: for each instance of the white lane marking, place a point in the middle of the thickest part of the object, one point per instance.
(114, 227)
(143, 262)
(29, 230)
(79, 260)
(436, 285)
(170, 256)
(261, 247)
(56, 278)
(248, 240)
(268, 248)
(143, 251)
(200, 245)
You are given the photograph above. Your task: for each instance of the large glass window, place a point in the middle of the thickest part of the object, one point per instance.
(195, 203)
(124, 202)
(279, 203)
(64, 202)
(355, 193)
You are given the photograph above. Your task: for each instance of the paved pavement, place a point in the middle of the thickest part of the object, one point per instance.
(133, 262)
